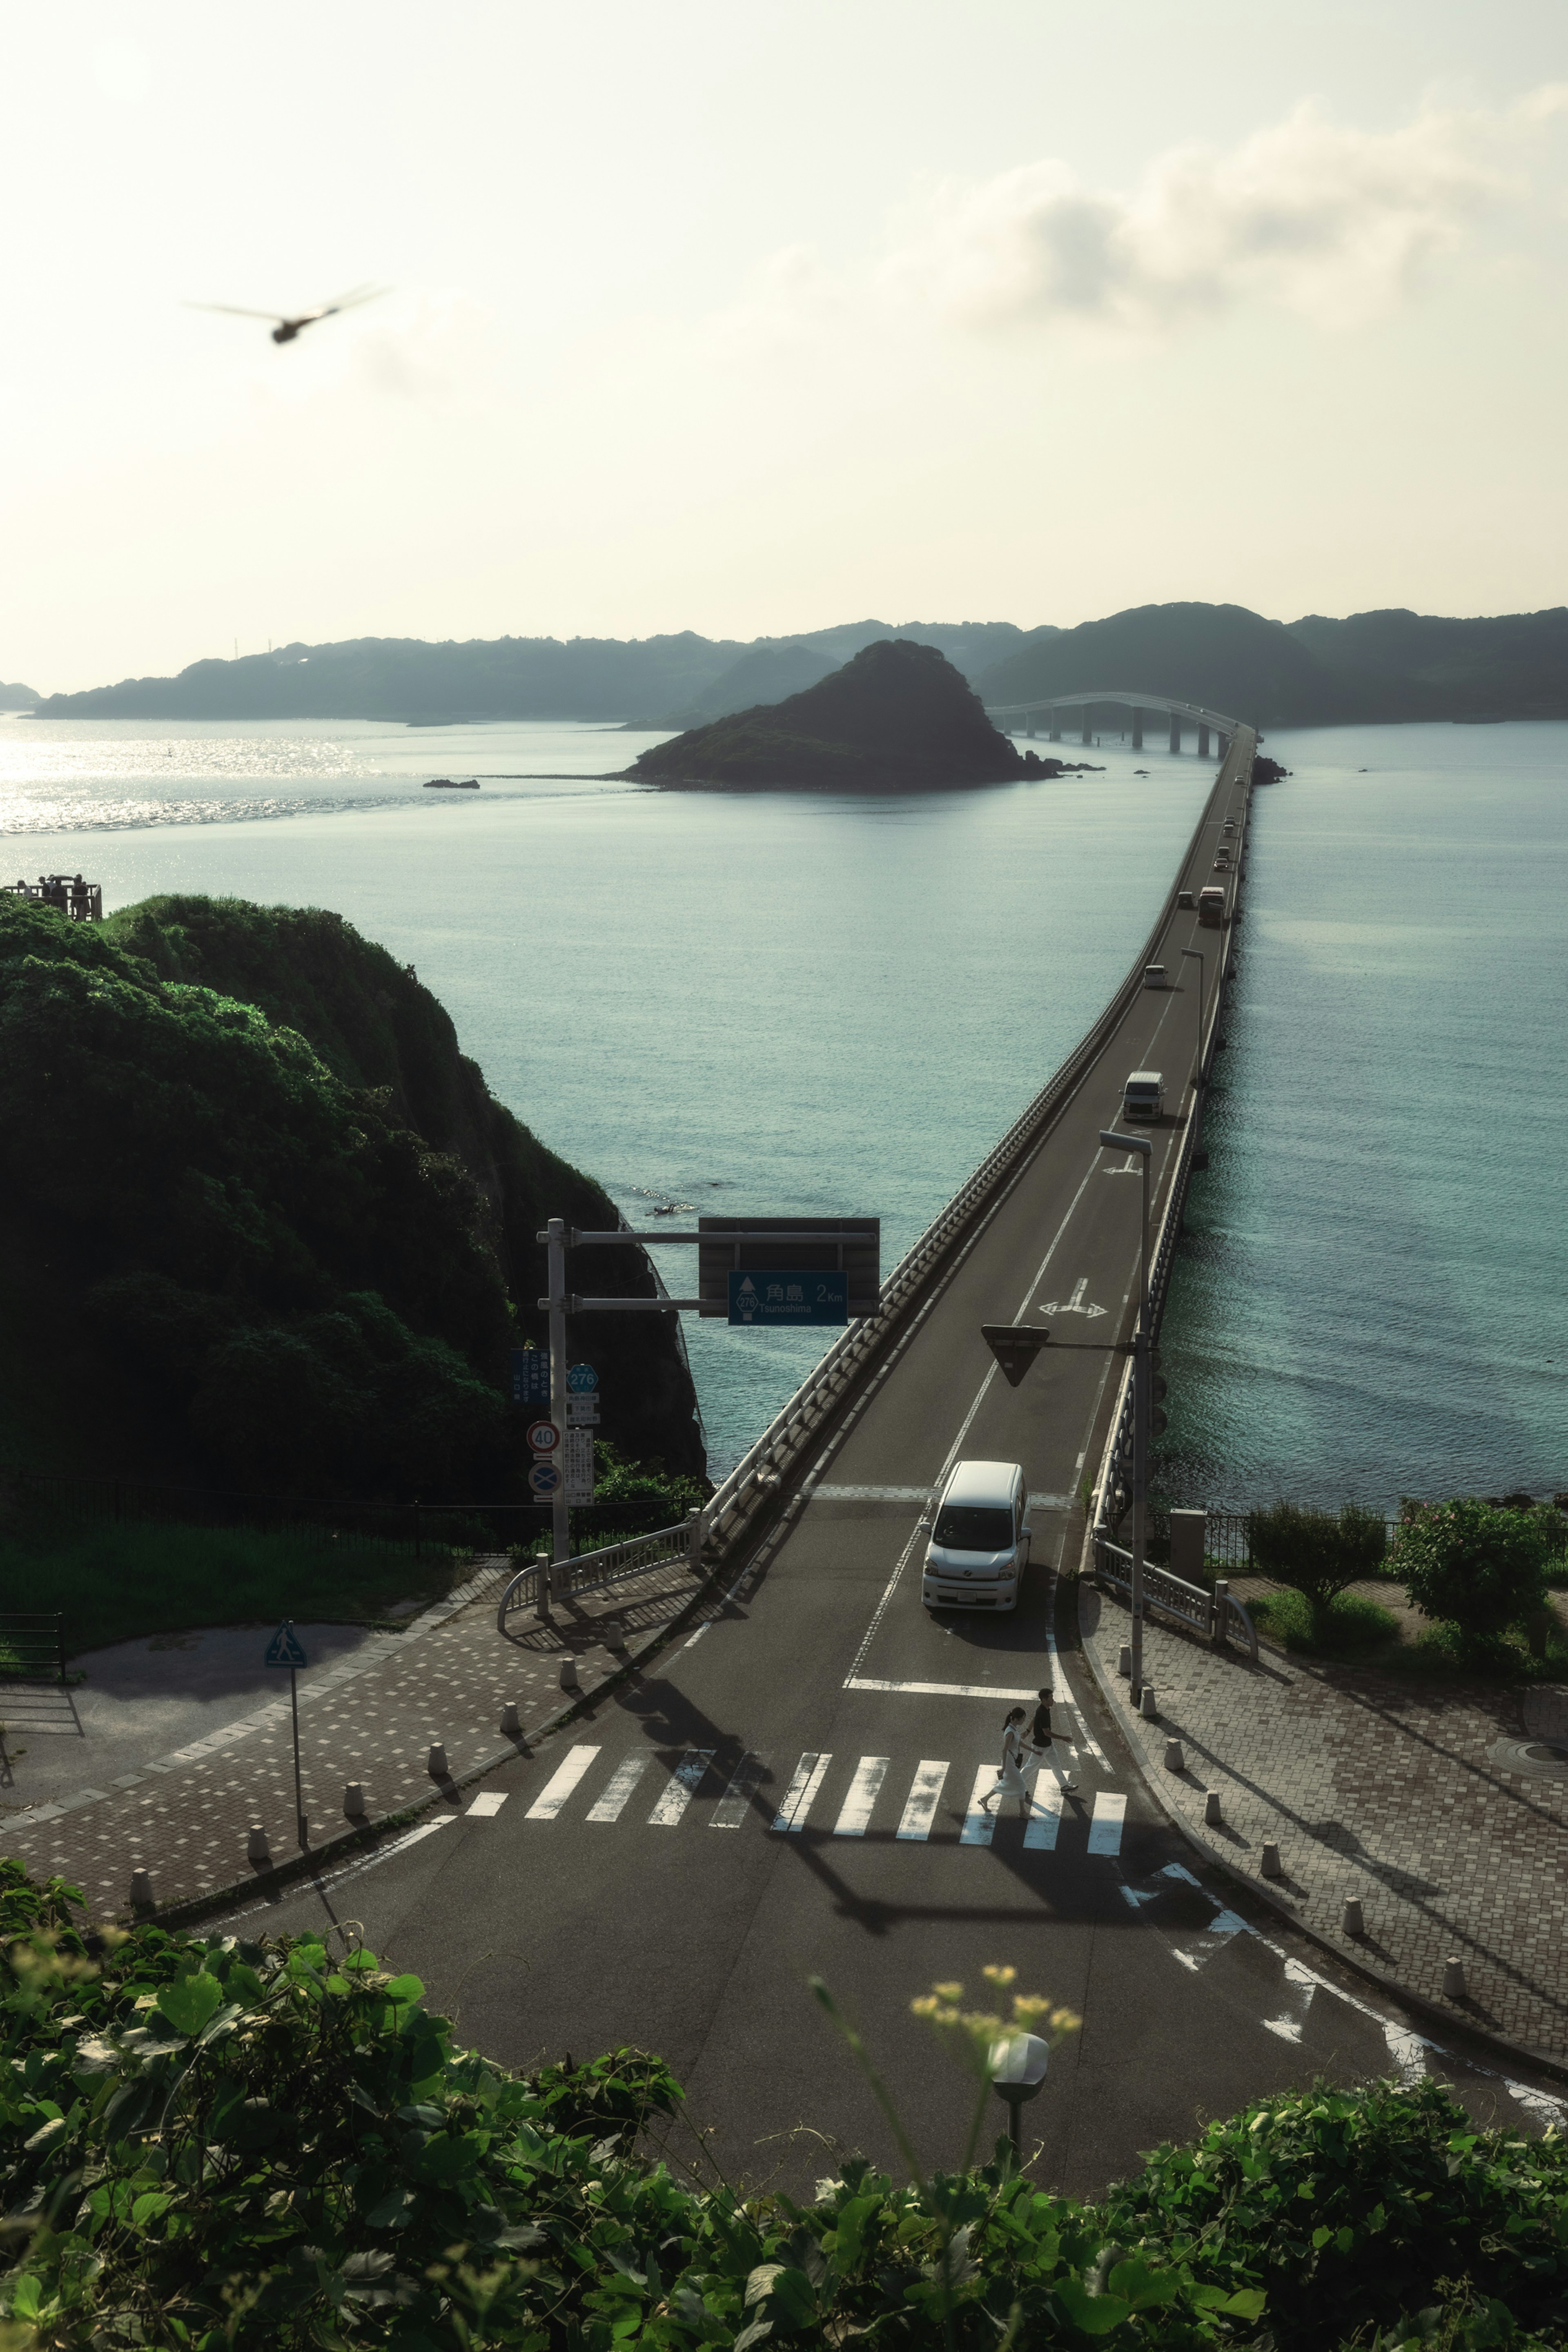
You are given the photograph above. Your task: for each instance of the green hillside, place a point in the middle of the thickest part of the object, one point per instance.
(262, 1225)
(897, 718)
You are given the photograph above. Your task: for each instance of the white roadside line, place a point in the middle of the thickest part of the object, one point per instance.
(350, 1870)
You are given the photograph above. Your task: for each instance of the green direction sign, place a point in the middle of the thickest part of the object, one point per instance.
(285, 1648)
(759, 1297)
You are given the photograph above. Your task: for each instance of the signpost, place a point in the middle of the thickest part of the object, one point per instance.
(544, 1437)
(530, 1377)
(544, 1479)
(577, 1461)
(286, 1648)
(582, 1380)
(775, 1295)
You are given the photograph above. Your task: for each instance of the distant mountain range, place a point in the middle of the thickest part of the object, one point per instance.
(18, 698)
(1311, 672)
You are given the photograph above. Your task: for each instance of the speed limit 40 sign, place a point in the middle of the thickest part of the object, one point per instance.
(544, 1437)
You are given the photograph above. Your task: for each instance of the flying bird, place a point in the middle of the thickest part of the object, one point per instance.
(285, 331)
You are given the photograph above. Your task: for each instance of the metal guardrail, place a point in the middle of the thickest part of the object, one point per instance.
(612, 1565)
(1118, 1444)
(761, 1467)
(32, 1649)
(1215, 1615)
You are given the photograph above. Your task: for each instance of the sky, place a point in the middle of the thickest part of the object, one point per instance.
(746, 318)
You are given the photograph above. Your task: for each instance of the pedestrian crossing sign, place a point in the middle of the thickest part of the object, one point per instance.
(285, 1648)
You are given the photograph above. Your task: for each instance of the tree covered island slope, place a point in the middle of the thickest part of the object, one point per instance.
(263, 1224)
(898, 718)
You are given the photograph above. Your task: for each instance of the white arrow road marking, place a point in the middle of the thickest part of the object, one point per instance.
(1074, 1306)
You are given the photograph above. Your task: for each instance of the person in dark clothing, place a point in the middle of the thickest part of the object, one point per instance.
(1042, 1740)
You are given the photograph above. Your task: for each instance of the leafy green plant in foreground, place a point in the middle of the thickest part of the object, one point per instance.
(209, 2143)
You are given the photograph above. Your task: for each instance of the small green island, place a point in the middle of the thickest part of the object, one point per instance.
(898, 718)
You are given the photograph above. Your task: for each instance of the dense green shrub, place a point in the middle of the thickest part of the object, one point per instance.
(1316, 1552)
(214, 2144)
(1471, 1564)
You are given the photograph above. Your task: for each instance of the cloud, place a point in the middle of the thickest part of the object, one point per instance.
(1337, 224)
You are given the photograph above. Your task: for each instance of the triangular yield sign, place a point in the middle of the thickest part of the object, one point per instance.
(1015, 1347)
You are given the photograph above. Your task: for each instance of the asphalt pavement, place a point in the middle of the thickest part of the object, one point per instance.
(794, 1789)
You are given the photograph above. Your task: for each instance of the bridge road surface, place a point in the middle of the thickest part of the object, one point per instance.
(793, 1788)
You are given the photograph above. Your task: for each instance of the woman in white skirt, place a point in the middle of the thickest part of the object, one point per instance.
(1020, 1762)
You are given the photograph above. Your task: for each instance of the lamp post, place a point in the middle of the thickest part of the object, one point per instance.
(1018, 2075)
(1142, 1340)
(1197, 956)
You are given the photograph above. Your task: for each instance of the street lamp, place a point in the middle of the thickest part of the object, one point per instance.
(1142, 1339)
(1197, 956)
(1018, 2075)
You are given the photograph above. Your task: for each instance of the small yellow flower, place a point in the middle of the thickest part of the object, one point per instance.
(998, 1975)
(949, 1991)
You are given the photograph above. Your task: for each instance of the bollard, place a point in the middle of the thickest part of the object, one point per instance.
(1124, 1661)
(569, 1681)
(1453, 1978)
(1174, 1759)
(1352, 1923)
(615, 1639)
(511, 1724)
(1213, 1816)
(256, 1846)
(1221, 1612)
(1146, 1707)
(353, 1800)
(141, 1889)
(1270, 1863)
(435, 1762)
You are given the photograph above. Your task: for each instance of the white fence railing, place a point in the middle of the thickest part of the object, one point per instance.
(632, 1557)
(1215, 1615)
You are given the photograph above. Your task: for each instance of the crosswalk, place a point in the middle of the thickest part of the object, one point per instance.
(868, 1802)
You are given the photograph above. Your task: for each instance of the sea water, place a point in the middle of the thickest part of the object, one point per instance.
(823, 1004)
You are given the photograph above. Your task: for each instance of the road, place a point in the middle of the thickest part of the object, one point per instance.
(792, 1789)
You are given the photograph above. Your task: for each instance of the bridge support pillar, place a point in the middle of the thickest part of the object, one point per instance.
(1203, 742)
(1137, 731)
(1088, 715)
(1176, 732)
(1056, 727)
(1223, 743)
(1029, 726)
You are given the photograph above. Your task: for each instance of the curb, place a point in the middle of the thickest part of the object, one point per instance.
(1453, 2021)
(345, 1842)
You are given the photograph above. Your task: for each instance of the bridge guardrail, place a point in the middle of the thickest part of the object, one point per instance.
(1215, 1615)
(761, 1467)
(1119, 1444)
(611, 1565)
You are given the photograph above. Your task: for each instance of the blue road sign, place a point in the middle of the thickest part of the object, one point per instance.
(757, 1296)
(582, 1380)
(531, 1376)
(544, 1477)
(285, 1648)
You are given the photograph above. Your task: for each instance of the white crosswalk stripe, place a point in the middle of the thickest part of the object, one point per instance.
(1105, 1826)
(556, 1790)
(622, 1783)
(809, 1775)
(925, 1794)
(855, 1814)
(736, 1801)
(1047, 1821)
(684, 1783)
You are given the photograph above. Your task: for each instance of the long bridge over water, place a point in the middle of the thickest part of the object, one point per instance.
(1047, 713)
